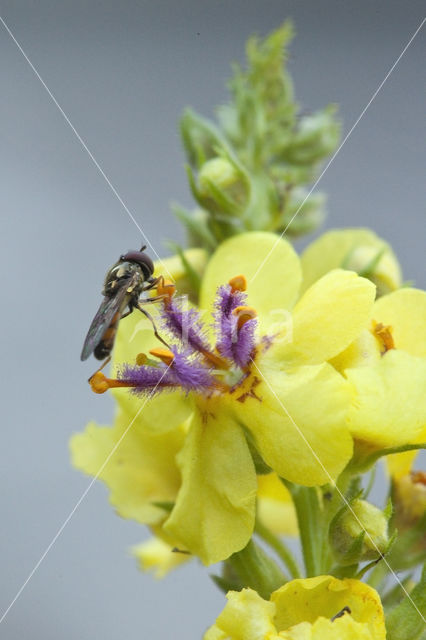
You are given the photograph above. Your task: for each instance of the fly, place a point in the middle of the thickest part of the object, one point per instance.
(124, 283)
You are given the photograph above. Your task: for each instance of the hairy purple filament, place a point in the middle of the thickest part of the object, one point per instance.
(194, 364)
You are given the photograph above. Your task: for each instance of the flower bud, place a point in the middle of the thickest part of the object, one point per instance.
(378, 264)
(223, 185)
(359, 532)
(316, 137)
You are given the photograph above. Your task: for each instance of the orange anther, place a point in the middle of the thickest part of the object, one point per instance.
(238, 283)
(141, 359)
(99, 382)
(418, 477)
(165, 355)
(383, 333)
(244, 314)
(166, 288)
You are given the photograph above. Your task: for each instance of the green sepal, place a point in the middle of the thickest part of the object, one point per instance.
(196, 223)
(224, 584)
(349, 549)
(406, 620)
(388, 510)
(303, 212)
(193, 277)
(255, 569)
(166, 506)
(315, 137)
(261, 467)
(364, 460)
(200, 137)
(354, 552)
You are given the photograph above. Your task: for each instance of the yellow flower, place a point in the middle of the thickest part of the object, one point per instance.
(386, 366)
(359, 250)
(321, 608)
(409, 496)
(158, 556)
(278, 387)
(141, 472)
(408, 490)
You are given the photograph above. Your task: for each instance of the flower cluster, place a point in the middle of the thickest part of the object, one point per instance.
(244, 398)
(277, 390)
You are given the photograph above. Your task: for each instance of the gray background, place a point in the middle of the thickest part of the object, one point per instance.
(123, 71)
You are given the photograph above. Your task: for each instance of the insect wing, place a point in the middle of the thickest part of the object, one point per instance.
(102, 320)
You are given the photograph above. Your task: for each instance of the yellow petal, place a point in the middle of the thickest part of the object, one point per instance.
(246, 616)
(307, 600)
(389, 408)
(275, 507)
(215, 509)
(363, 351)
(139, 467)
(400, 464)
(332, 249)
(344, 628)
(329, 316)
(273, 288)
(405, 311)
(157, 556)
(299, 422)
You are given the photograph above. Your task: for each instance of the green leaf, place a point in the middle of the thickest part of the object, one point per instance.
(406, 621)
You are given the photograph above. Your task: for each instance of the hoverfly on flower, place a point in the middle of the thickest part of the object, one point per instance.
(124, 283)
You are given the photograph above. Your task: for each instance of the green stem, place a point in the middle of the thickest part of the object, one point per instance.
(280, 548)
(377, 575)
(311, 526)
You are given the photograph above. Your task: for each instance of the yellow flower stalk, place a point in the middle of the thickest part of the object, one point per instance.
(320, 608)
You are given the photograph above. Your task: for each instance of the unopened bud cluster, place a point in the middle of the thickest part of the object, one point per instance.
(251, 171)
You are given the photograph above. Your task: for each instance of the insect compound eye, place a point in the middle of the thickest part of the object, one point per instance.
(142, 259)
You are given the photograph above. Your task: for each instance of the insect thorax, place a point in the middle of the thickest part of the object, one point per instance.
(119, 273)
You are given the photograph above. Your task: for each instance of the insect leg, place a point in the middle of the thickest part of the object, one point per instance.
(155, 299)
(159, 281)
(157, 335)
(104, 364)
